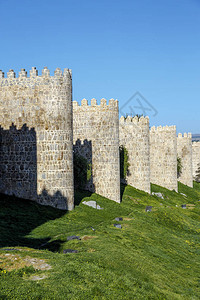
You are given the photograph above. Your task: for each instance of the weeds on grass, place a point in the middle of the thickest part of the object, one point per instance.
(154, 256)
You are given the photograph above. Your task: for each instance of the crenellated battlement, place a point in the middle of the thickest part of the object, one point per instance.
(82, 142)
(185, 135)
(134, 120)
(14, 129)
(103, 103)
(23, 77)
(163, 128)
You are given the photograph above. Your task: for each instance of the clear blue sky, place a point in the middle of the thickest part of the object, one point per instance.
(114, 49)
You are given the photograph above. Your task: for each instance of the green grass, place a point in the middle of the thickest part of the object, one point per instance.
(154, 256)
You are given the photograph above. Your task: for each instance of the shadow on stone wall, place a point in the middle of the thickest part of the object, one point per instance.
(18, 185)
(18, 167)
(83, 176)
(56, 200)
(18, 162)
(83, 163)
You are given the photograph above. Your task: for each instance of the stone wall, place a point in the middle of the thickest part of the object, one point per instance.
(134, 136)
(184, 151)
(195, 157)
(96, 137)
(163, 157)
(36, 160)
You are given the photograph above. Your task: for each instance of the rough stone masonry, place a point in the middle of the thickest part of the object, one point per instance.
(96, 137)
(37, 140)
(36, 149)
(134, 136)
(195, 158)
(184, 151)
(163, 156)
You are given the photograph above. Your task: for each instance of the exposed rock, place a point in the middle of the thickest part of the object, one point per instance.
(73, 237)
(159, 195)
(13, 249)
(35, 278)
(148, 208)
(118, 219)
(118, 226)
(15, 261)
(98, 207)
(70, 251)
(183, 194)
(92, 204)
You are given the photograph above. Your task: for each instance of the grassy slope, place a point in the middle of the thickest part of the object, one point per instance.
(154, 256)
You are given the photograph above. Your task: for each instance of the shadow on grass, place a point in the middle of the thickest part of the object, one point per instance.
(19, 217)
(79, 195)
(122, 189)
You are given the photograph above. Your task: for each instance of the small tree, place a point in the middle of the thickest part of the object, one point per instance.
(197, 177)
(179, 166)
(134, 115)
(124, 164)
(82, 171)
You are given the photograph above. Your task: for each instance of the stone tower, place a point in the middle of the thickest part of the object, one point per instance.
(96, 137)
(195, 158)
(134, 136)
(184, 151)
(36, 160)
(163, 157)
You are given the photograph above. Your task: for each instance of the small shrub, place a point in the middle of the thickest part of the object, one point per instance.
(179, 166)
(82, 171)
(197, 177)
(124, 164)
(134, 115)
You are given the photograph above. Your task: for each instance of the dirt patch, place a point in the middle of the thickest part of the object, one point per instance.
(11, 262)
(190, 206)
(36, 278)
(125, 225)
(133, 199)
(127, 219)
(91, 250)
(88, 237)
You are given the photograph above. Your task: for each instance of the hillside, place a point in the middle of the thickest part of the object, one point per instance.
(154, 256)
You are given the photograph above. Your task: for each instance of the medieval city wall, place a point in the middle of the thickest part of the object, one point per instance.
(195, 158)
(184, 151)
(134, 136)
(36, 149)
(163, 157)
(96, 137)
(37, 140)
